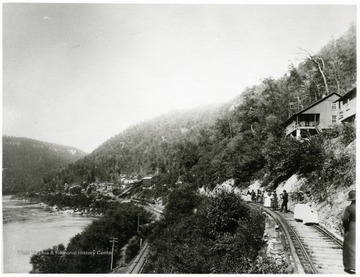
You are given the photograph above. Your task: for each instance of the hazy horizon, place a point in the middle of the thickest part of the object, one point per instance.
(212, 105)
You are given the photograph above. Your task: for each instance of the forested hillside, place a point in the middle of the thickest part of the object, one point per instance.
(26, 161)
(243, 139)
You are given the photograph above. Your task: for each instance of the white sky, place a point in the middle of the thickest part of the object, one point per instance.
(77, 74)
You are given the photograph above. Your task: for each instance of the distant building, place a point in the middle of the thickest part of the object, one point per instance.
(147, 181)
(347, 106)
(322, 114)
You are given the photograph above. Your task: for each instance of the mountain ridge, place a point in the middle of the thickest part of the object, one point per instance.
(26, 161)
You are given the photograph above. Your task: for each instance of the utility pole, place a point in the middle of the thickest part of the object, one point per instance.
(112, 240)
(138, 223)
(138, 229)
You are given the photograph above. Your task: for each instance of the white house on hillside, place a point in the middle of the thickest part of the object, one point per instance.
(322, 114)
(347, 106)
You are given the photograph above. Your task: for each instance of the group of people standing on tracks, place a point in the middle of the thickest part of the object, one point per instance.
(270, 200)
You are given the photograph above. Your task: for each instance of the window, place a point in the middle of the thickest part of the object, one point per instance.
(307, 123)
(334, 106)
(333, 119)
(347, 104)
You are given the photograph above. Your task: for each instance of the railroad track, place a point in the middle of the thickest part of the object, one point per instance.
(140, 260)
(314, 250)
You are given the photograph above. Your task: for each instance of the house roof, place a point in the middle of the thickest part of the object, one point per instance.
(147, 178)
(346, 94)
(310, 106)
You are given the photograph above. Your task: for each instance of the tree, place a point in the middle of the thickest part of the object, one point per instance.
(51, 260)
(320, 64)
(181, 202)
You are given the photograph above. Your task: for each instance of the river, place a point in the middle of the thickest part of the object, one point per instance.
(28, 228)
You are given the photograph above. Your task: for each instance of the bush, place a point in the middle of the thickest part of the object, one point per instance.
(51, 260)
(220, 235)
(337, 170)
(132, 249)
(181, 202)
(290, 156)
(339, 162)
(345, 132)
(348, 133)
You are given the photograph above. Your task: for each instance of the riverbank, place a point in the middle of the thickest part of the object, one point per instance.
(29, 228)
(40, 203)
(68, 210)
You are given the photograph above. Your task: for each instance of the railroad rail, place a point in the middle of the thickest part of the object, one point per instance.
(140, 260)
(313, 249)
(326, 232)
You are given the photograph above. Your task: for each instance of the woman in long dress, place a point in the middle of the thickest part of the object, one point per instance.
(267, 200)
(261, 196)
(349, 245)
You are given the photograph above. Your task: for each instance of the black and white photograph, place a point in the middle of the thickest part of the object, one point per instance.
(179, 137)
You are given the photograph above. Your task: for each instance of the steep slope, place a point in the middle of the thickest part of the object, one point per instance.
(148, 148)
(243, 140)
(27, 161)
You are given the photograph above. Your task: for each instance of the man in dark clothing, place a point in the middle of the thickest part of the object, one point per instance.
(253, 196)
(275, 200)
(349, 245)
(285, 199)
